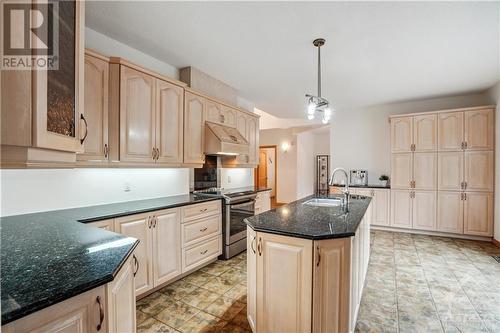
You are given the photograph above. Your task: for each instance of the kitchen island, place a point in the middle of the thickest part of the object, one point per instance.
(306, 264)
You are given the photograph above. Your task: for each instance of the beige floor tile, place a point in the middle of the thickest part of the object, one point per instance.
(176, 314)
(216, 268)
(141, 317)
(178, 289)
(225, 308)
(198, 278)
(203, 322)
(152, 325)
(219, 285)
(201, 298)
(154, 303)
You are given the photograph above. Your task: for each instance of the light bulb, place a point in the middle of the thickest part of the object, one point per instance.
(311, 108)
(310, 116)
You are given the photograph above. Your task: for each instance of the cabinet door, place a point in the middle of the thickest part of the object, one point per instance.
(401, 203)
(252, 278)
(425, 167)
(194, 129)
(284, 304)
(401, 134)
(401, 170)
(450, 131)
(425, 132)
(138, 226)
(424, 210)
(169, 122)
(480, 129)
(331, 285)
(214, 112)
(253, 139)
(450, 212)
(450, 171)
(242, 126)
(137, 116)
(479, 170)
(478, 214)
(166, 246)
(380, 207)
(121, 300)
(96, 109)
(228, 116)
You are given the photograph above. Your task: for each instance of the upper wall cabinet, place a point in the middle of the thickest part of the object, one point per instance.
(194, 128)
(401, 134)
(450, 131)
(425, 131)
(96, 109)
(479, 129)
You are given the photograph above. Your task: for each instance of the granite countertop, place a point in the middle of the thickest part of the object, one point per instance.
(364, 186)
(304, 221)
(49, 257)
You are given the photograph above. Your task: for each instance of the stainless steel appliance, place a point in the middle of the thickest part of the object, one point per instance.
(238, 204)
(358, 177)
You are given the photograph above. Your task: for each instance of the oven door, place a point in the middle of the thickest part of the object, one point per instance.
(236, 229)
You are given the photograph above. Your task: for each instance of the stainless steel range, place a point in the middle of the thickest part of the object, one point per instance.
(239, 204)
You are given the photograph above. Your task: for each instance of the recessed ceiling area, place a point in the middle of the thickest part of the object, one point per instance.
(375, 53)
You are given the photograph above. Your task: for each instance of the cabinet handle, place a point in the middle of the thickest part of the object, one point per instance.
(157, 154)
(203, 252)
(203, 210)
(259, 246)
(222, 118)
(462, 185)
(155, 221)
(461, 196)
(319, 256)
(105, 150)
(101, 313)
(465, 185)
(252, 246)
(465, 196)
(203, 229)
(136, 264)
(86, 128)
(465, 144)
(149, 222)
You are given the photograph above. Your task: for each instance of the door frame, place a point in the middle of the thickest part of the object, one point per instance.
(256, 170)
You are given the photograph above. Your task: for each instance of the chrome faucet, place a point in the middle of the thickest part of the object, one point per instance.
(345, 191)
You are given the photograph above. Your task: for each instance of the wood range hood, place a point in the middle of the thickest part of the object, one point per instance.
(224, 140)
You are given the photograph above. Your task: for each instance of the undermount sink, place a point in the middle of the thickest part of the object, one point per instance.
(324, 202)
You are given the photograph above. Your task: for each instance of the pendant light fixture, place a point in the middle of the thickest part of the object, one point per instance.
(318, 104)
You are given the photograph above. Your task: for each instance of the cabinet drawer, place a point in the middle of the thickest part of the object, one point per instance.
(194, 212)
(199, 230)
(201, 253)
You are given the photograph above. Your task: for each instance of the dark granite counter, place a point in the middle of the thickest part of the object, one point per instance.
(49, 257)
(312, 222)
(364, 186)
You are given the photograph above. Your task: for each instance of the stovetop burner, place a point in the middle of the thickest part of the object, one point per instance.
(228, 193)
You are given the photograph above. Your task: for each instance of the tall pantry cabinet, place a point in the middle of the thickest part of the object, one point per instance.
(442, 170)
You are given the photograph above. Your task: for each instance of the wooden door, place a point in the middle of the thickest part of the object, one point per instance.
(401, 170)
(138, 226)
(121, 300)
(425, 132)
(380, 207)
(284, 304)
(479, 171)
(401, 204)
(166, 245)
(450, 131)
(424, 210)
(252, 278)
(480, 129)
(137, 116)
(194, 129)
(425, 170)
(262, 171)
(331, 285)
(96, 109)
(401, 134)
(450, 171)
(478, 214)
(450, 212)
(169, 122)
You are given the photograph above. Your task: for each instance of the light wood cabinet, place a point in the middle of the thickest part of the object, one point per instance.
(96, 146)
(479, 129)
(401, 170)
(479, 171)
(424, 210)
(425, 171)
(120, 303)
(169, 122)
(450, 131)
(137, 116)
(289, 307)
(194, 128)
(381, 207)
(166, 246)
(228, 116)
(252, 278)
(425, 132)
(401, 205)
(450, 171)
(450, 212)
(220, 114)
(401, 134)
(104, 224)
(478, 214)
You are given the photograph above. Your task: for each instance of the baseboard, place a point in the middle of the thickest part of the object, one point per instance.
(432, 233)
(496, 242)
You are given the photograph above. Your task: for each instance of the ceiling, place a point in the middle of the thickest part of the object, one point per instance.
(375, 53)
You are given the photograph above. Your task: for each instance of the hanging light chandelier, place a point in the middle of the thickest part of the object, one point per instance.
(317, 104)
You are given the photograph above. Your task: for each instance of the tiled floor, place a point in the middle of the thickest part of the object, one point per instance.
(430, 284)
(414, 284)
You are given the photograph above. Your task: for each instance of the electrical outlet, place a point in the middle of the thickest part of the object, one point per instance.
(229, 179)
(127, 187)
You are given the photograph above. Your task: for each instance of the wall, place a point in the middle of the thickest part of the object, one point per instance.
(305, 164)
(494, 95)
(360, 138)
(25, 191)
(236, 177)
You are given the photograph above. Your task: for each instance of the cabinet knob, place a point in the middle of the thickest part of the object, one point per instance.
(203, 229)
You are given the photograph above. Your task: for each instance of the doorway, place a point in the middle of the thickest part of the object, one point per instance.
(266, 172)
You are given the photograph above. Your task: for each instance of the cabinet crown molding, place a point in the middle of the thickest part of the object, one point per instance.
(483, 107)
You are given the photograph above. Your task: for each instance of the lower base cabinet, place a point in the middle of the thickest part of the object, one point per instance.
(301, 285)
